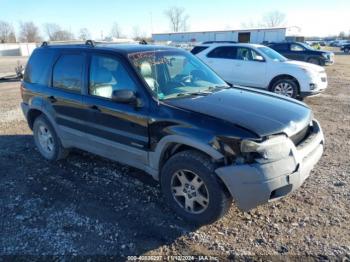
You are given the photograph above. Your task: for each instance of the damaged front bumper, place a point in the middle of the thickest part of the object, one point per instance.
(254, 184)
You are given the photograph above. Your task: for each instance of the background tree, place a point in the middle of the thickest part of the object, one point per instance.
(84, 34)
(116, 31)
(177, 18)
(137, 34)
(56, 33)
(7, 33)
(29, 32)
(274, 19)
(51, 30)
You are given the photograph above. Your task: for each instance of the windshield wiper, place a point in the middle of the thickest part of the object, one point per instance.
(205, 92)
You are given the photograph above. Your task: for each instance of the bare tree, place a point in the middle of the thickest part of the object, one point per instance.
(7, 33)
(274, 19)
(56, 33)
(137, 34)
(51, 29)
(29, 32)
(116, 31)
(84, 34)
(177, 18)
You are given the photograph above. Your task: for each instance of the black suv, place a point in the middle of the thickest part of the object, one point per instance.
(303, 52)
(345, 48)
(162, 110)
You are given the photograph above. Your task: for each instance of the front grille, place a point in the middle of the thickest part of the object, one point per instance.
(300, 136)
(324, 79)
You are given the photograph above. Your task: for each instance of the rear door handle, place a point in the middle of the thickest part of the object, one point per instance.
(95, 108)
(52, 99)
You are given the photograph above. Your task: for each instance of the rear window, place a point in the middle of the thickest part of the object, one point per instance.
(68, 71)
(198, 49)
(39, 67)
(226, 52)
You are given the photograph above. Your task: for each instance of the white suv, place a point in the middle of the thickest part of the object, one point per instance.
(261, 67)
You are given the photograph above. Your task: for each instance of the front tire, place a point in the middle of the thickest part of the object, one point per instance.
(192, 189)
(47, 141)
(286, 87)
(314, 61)
(346, 50)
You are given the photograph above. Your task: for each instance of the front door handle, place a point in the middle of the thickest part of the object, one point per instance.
(52, 99)
(94, 108)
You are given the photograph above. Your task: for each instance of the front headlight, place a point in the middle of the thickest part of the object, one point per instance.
(325, 55)
(274, 148)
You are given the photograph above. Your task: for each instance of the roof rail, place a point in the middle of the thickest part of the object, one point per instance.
(89, 42)
(219, 42)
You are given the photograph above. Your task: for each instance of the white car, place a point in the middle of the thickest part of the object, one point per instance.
(261, 67)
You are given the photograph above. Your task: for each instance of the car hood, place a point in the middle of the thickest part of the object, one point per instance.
(304, 65)
(260, 112)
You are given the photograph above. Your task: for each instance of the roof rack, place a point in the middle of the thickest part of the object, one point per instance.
(88, 42)
(220, 42)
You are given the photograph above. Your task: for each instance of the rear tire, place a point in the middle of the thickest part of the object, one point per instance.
(192, 189)
(47, 141)
(286, 87)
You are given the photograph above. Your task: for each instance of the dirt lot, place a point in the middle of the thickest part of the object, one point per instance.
(87, 205)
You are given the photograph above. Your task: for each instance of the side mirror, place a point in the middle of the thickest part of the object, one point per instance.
(124, 96)
(259, 58)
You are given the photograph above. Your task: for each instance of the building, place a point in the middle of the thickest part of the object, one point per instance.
(17, 49)
(256, 35)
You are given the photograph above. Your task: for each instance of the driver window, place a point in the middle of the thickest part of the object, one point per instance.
(107, 75)
(295, 47)
(244, 53)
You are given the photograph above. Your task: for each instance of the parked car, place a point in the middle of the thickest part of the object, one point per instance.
(162, 110)
(345, 48)
(259, 66)
(303, 52)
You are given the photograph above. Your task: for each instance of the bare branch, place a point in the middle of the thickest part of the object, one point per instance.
(84, 34)
(7, 33)
(116, 31)
(274, 19)
(29, 32)
(177, 18)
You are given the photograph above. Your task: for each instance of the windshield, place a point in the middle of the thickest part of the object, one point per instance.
(272, 54)
(307, 46)
(171, 74)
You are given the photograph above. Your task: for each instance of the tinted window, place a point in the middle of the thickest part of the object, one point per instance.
(198, 49)
(227, 52)
(108, 74)
(280, 47)
(247, 54)
(39, 67)
(296, 47)
(67, 73)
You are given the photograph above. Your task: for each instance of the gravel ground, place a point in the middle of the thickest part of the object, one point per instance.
(87, 205)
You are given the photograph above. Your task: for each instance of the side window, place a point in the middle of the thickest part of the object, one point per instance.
(108, 74)
(38, 67)
(198, 49)
(68, 71)
(256, 56)
(244, 53)
(296, 47)
(226, 52)
(280, 47)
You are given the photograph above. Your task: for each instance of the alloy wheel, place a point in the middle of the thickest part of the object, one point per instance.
(189, 191)
(285, 89)
(45, 139)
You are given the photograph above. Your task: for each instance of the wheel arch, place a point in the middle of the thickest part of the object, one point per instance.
(173, 144)
(284, 76)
